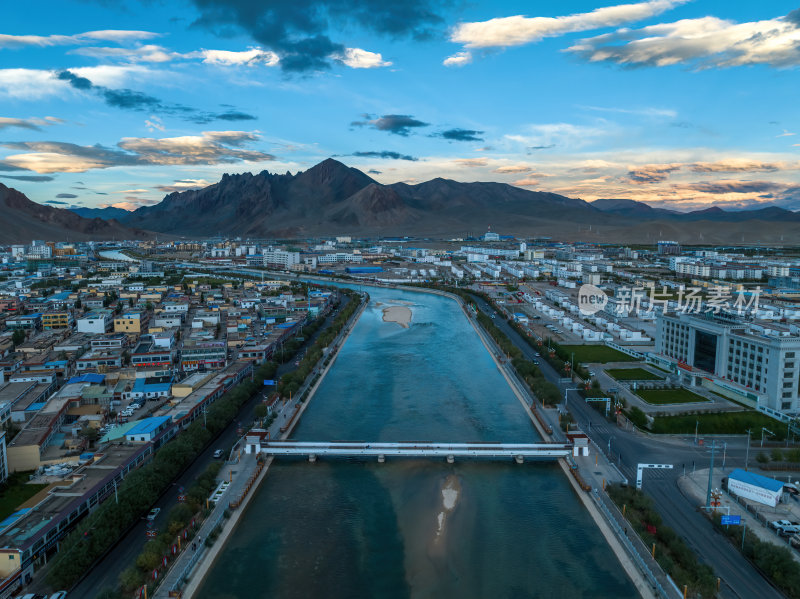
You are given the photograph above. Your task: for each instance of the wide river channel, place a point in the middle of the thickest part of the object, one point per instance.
(415, 528)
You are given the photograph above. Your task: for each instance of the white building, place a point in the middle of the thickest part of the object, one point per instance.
(743, 359)
(281, 258)
(97, 323)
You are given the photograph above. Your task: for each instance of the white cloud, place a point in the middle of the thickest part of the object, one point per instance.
(705, 42)
(357, 58)
(649, 112)
(518, 30)
(560, 135)
(110, 35)
(459, 59)
(154, 123)
(32, 84)
(146, 53)
(250, 58)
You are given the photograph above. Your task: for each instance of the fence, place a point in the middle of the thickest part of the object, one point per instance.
(657, 578)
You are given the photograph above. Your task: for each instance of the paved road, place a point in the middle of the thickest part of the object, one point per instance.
(740, 578)
(106, 573)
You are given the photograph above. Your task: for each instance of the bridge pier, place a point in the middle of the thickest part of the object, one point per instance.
(381, 459)
(312, 457)
(519, 459)
(451, 459)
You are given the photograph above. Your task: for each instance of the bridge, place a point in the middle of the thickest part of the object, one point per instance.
(416, 449)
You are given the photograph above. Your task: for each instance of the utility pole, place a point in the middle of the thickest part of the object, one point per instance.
(747, 453)
(710, 475)
(696, 426)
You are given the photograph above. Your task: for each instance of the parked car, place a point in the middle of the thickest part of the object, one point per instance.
(152, 514)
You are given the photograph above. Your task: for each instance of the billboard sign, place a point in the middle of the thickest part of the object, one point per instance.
(735, 520)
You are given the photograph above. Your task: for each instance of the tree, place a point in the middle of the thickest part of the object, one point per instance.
(18, 337)
(260, 411)
(90, 433)
(638, 417)
(126, 357)
(762, 458)
(776, 455)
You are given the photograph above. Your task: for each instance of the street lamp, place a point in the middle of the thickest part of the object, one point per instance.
(696, 426)
(763, 430)
(566, 392)
(609, 445)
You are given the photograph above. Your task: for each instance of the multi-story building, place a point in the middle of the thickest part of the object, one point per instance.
(669, 248)
(202, 355)
(3, 459)
(131, 323)
(57, 320)
(149, 355)
(758, 364)
(95, 322)
(281, 258)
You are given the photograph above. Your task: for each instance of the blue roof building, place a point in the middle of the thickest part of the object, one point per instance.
(147, 429)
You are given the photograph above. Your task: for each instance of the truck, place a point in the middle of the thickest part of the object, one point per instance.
(785, 527)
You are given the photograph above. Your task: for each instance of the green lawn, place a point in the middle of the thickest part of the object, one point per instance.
(669, 396)
(15, 491)
(722, 423)
(599, 354)
(633, 374)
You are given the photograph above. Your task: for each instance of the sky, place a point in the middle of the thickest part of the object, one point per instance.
(683, 104)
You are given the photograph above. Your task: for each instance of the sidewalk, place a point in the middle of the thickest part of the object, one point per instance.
(239, 474)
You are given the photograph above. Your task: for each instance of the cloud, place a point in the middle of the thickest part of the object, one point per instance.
(29, 178)
(128, 99)
(67, 196)
(519, 168)
(154, 123)
(703, 43)
(518, 30)
(356, 58)
(459, 59)
(133, 191)
(472, 162)
(146, 53)
(649, 112)
(184, 185)
(652, 173)
(252, 57)
(372, 171)
(727, 186)
(460, 135)
(737, 166)
(399, 124)
(527, 182)
(34, 124)
(297, 31)
(112, 35)
(211, 147)
(385, 154)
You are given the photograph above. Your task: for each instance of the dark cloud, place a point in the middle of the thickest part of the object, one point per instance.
(29, 178)
(100, 193)
(129, 99)
(298, 30)
(75, 81)
(652, 173)
(385, 154)
(55, 202)
(720, 187)
(537, 148)
(794, 17)
(69, 196)
(399, 124)
(372, 171)
(460, 135)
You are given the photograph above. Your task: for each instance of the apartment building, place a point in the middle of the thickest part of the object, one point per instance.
(57, 320)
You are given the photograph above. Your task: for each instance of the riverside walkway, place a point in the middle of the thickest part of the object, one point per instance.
(416, 449)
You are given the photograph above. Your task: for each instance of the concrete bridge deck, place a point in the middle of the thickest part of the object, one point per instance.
(417, 449)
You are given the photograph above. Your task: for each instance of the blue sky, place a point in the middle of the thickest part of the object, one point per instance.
(682, 104)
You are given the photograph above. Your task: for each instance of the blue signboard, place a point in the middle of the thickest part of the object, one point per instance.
(731, 520)
(268, 382)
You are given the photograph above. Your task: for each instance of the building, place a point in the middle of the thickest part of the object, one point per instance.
(97, 323)
(3, 460)
(134, 323)
(742, 360)
(57, 320)
(280, 258)
(202, 355)
(148, 354)
(669, 248)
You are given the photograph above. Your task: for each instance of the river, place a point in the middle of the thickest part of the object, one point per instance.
(415, 528)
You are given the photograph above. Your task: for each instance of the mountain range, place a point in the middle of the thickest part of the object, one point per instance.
(332, 198)
(24, 220)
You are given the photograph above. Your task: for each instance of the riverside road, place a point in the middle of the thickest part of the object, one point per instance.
(739, 577)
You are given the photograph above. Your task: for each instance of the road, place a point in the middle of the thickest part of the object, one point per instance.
(739, 577)
(105, 573)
